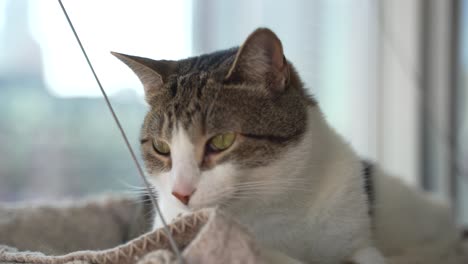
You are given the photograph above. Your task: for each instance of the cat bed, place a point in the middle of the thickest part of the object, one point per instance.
(111, 230)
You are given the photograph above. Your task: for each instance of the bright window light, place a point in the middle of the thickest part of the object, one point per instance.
(153, 28)
(2, 14)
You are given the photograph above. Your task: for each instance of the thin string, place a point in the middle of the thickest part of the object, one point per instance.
(127, 143)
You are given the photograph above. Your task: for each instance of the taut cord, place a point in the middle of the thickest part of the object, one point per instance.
(124, 136)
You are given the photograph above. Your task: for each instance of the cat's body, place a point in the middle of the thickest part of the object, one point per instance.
(324, 205)
(236, 129)
(411, 226)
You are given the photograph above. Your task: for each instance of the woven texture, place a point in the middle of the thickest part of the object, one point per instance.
(98, 228)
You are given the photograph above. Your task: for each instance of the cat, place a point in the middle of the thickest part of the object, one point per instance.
(236, 129)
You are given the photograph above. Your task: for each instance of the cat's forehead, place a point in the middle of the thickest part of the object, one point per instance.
(193, 101)
(212, 62)
(196, 98)
(194, 83)
(191, 93)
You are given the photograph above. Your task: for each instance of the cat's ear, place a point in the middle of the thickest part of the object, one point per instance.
(261, 59)
(152, 73)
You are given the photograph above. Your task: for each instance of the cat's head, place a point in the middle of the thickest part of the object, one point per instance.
(218, 120)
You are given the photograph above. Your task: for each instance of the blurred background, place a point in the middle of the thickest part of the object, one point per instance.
(390, 76)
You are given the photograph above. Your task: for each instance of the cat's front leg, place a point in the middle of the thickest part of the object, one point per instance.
(367, 255)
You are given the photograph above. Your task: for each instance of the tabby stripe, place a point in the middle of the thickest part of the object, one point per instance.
(271, 138)
(368, 185)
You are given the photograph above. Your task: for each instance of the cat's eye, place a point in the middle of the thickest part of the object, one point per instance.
(222, 141)
(161, 147)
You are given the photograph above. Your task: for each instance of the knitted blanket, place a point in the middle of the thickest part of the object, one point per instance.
(111, 230)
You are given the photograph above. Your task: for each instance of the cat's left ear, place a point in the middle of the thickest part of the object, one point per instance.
(152, 73)
(261, 60)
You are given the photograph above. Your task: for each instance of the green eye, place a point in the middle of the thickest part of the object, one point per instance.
(222, 141)
(161, 147)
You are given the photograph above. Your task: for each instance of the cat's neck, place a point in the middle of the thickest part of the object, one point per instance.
(321, 160)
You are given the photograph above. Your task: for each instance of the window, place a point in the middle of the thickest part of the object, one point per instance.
(461, 108)
(57, 138)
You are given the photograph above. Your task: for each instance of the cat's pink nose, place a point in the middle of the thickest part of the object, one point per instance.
(183, 197)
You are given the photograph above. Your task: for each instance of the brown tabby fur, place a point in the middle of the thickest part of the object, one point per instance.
(198, 94)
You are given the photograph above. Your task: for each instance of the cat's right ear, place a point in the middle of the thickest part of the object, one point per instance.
(152, 73)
